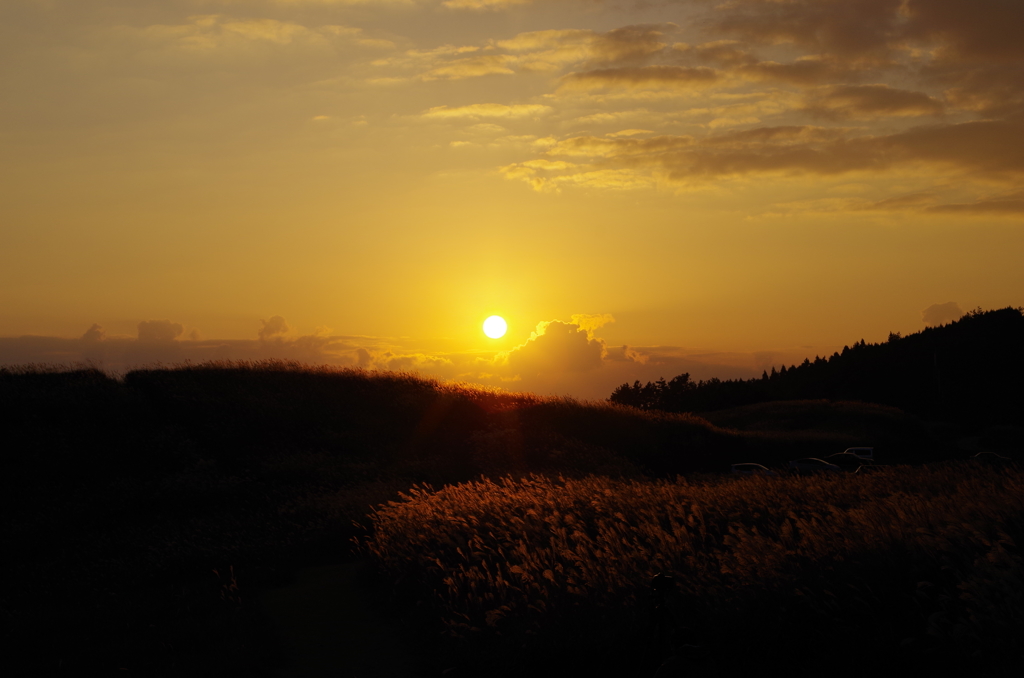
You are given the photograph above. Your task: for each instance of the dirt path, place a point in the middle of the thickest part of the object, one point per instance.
(332, 625)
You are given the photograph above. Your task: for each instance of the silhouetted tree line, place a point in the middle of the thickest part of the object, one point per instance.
(971, 369)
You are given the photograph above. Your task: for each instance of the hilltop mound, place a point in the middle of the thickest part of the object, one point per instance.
(83, 423)
(366, 426)
(781, 430)
(819, 415)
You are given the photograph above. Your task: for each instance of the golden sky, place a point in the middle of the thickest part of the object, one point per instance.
(643, 187)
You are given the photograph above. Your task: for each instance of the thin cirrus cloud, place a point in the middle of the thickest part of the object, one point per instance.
(974, 147)
(627, 43)
(620, 147)
(550, 39)
(964, 62)
(847, 27)
(640, 76)
(534, 52)
(207, 36)
(474, 111)
(808, 69)
(878, 30)
(630, 44)
(483, 4)
(803, 71)
(470, 67)
(975, 47)
(840, 76)
(325, 3)
(870, 101)
(1009, 205)
(854, 27)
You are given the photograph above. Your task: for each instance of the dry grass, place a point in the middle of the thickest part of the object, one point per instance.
(914, 556)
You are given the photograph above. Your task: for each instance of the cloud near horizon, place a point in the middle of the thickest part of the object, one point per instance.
(556, 346)
(273, 327)
(707, 169)
(940, 314)
(157, 330)
(560, 357)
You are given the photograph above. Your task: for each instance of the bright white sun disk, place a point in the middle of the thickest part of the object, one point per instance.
(495, 327)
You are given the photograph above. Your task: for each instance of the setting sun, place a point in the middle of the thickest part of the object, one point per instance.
(755, 152)
(747, 249)
(495, 327)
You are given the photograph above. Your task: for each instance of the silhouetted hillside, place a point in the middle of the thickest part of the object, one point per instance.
(83, 424)
(970, 371)
(143, 514)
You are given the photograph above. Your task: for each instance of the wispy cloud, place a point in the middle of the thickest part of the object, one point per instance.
(488, 111)
(973, 147)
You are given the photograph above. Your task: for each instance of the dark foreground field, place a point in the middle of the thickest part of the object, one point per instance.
(217, 520)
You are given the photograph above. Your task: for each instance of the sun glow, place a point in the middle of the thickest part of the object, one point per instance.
(495, 327)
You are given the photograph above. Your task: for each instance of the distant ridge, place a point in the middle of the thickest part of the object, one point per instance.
(971, 370)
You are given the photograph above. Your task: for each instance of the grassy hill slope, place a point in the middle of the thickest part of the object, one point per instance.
(143, 512)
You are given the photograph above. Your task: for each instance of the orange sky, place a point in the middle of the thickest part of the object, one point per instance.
(716, 187)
